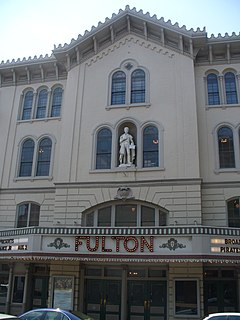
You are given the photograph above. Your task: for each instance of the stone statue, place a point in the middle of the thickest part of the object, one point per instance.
(127, 149)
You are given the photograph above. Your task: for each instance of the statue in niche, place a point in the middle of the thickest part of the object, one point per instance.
(127, 149)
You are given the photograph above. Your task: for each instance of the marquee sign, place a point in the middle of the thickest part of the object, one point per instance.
(118, 244)
(227, 246)
(129, 246)
(13, 244)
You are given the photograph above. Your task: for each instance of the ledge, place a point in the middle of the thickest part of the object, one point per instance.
(164, 231)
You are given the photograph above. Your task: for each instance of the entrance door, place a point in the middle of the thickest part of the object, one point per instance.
(39, 292)
(220, 296)
(147, 300)
(103, 299)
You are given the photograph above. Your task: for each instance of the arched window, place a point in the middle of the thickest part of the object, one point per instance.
(234, 212)
(118, 95)
(138, 86)
(56, 102)
(26, 161)
(27, 215)
(44, 157)
(230, 87)
(125, 215)
(104, 217)
(226, 148)
(213, 89)
(27, 105)
(104, 149)
(150, 147)
(42, 104)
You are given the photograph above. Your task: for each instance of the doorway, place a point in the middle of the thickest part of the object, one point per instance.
(103, 299)
(220, 290)
(39, 297)
(220, 296)
(147, 300)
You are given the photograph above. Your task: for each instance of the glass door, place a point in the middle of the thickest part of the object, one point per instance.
(103, 299)
(220, 296)
(147, 300)
(39, 292)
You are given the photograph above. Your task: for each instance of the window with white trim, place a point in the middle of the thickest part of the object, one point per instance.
(26, 160)
(56, 102)
(230, 88)
(129, 85)
(118, 93)
(226, 148)
(42, 103)
(222, 89)
(150, 146)
(27, 105)
(104, 149)
(233, 207)
(27, 215)
(213, 89)
(35, 157)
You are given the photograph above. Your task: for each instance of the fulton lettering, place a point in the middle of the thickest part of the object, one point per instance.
(114, 243)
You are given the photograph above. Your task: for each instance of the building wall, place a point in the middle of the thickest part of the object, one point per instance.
(10, 199)
(182, 201)
(209, 118)
(85, 110)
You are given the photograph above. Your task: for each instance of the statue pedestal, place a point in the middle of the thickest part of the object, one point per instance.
(126, 165)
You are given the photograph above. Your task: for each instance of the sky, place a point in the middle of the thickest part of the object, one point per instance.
(32, 27)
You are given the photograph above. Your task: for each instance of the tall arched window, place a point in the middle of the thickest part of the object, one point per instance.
(56, 102)
(226, 148)
(104, 149)
(26, 161)
(42, 104)
(44, 157)
(234, 212)
(138, 86)
(27, 215)
(213, 89)
(27, 105)
(118, 93)
(150, 147)
(230, 87)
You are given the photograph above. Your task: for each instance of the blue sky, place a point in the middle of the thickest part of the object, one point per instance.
(33, 27)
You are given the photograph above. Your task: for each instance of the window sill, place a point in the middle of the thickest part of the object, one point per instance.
(222, 106)
(227, 170)
(38, 119)
(49, 178)
(131, 169)
(128, 106)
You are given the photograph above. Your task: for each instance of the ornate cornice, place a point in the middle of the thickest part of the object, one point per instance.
(98, 41)
(131, 13)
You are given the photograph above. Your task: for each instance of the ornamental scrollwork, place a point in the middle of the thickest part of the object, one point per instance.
(58, 244)
(172, 244)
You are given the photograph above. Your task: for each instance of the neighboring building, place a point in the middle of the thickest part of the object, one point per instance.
(155, 238)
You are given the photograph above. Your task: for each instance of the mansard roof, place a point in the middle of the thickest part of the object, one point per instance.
(195, 44)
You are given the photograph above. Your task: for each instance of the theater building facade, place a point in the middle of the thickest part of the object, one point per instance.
(120, 173)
